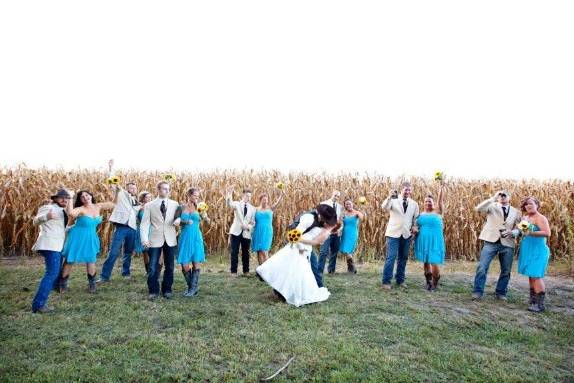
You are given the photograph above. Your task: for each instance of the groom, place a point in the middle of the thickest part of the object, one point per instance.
(318, 217)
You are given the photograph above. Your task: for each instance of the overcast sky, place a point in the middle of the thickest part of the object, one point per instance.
(477, 89)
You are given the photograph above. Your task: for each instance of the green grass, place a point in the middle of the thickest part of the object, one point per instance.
(236, 331)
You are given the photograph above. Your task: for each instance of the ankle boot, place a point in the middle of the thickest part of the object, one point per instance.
(92, 283)
(532, 297)
(351, 265)
(146, 265)
(538, 306)
(188, 279)
(428, 277)
(195, 282)
(63, 285)
(435, 282)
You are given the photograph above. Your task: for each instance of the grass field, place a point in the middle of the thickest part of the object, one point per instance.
(236, 331)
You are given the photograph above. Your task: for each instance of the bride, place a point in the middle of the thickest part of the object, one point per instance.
(289, 271)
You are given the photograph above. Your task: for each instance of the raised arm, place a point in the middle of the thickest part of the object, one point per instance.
(229, 199)
(440, 207)
(278, 200)
(106, 205)
(116, 189)
(485, 205)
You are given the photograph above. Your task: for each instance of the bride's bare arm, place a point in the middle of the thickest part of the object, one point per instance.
(318, 239)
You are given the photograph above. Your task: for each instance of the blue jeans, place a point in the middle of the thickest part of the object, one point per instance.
(329, 248)
(53, 260)
(122, 235)
(505, 255)
(397, 248)
(315, 269)
(168, 263)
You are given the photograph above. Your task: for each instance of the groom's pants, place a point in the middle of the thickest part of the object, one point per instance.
(315, 267)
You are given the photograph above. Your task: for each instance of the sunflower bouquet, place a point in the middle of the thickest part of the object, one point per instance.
(169, 178)
(293, 236)
(524, 226)
(114, 180)
(202, 207)
(438, 176)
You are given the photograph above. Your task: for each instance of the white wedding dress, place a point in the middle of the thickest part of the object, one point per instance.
(289, 272)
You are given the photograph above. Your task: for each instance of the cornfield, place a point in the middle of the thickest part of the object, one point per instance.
(24, 190)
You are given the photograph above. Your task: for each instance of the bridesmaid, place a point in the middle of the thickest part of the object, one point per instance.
(82, 243)
(263, 230)
(429, 242)
(350, 236)
(534, 252)
(190, 243)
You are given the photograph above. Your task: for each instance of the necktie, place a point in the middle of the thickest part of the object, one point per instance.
(163, 209)
(405, 205)
(244, 210)
(505, 212)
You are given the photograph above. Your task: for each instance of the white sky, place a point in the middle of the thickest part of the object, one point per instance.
(477, 89)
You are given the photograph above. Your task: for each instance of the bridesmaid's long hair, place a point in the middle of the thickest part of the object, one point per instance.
(78, 202)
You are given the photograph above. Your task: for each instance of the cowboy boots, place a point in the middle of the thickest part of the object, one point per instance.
(351, 265)
(188, 279)
(435, 282)
(92, 283)
(195, 282)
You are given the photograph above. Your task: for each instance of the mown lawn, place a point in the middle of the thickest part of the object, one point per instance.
(236, 331)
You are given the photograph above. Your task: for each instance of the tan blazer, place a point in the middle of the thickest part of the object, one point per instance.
(52, 231)
(125, 210)
(242, 224)
(162, 231)
(495, 221)
(400, 222)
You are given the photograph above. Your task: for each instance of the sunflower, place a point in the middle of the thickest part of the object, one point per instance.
(524, 226)
(202, 207)
(362, 200)
(438, 175)
(169, 178)
(294, 235)
(114, 180)
(280, 185)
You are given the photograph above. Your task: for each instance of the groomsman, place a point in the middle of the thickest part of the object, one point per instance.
(52, 220)
(330, 247)
(498, 238)
(241, 229)
(125, 228)
(160, 216)
(322, 215)
(404, 212)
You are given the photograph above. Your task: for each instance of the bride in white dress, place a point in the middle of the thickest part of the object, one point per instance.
(289, 270)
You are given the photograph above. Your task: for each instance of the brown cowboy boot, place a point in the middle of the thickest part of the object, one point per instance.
(435, 282)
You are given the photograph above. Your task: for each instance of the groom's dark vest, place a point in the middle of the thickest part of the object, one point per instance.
(295, 223)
